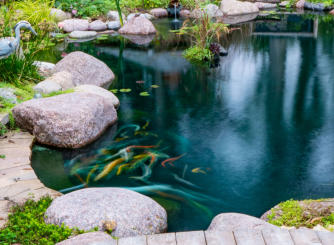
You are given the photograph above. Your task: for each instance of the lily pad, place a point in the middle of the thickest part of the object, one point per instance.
(125, 90)
(144, 94)
(115, 91)
(155, 86)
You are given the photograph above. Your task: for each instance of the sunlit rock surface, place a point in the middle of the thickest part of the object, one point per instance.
(69, 120)
(130, 213)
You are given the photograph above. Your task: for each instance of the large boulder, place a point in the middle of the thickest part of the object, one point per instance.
(113, 15)
(45, 69)
(69, 120)
(97, 25)
(83, 34)
(185, 13)
(236, 221)
(47, 87)
(63, 79)
(211, 10)
(92, 89)
(113, 25)
(90, 238)
(58, 14)
(159, 12)
(263, 5)
(86, 69)
(126, 213)
(74, 25)
(138, 26)
(300, 4)
(234, 7)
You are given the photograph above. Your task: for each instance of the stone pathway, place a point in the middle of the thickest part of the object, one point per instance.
(18, 181)
(238, 237)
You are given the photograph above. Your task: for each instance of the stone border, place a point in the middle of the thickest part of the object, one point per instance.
(18, 181)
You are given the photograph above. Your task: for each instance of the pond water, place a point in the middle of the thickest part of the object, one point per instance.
(252, 132)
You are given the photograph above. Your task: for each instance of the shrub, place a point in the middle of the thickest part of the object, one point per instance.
(26, 225)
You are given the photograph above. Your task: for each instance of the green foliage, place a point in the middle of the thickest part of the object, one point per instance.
(290, 213)
(26, 226)
(202, 32)
(23, 93)
(85, 8)
(197, 54)
(2, 156)
(3, 129)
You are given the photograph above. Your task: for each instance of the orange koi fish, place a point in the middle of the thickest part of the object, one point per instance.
(128, 149)
(107, 169)
(171, 160)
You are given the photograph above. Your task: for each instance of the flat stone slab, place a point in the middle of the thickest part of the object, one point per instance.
(82, 34)
(98, 238)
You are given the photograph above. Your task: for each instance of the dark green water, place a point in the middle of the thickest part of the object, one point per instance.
(260, 126)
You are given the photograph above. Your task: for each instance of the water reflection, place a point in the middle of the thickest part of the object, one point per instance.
(261, 124)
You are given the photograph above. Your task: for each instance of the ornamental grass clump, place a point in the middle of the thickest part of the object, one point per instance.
(203, 32)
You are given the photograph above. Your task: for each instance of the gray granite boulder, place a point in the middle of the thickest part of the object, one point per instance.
(113, 15)
(159, 12)
(47, 87)
(45, 69)
(300, 4)
(8, 94)
(69, 120)
(234, 7)
(211, 10)
(236, 221)
(58, 14)
(138, 26)
(86, 69)
(90, 238)
(97, 25)
(74, 25)
(185, 13)
(63, 79)
(92, 89)
(82, 34)
(113, 25)
(146, 15)
(262, 5)
(236, 19)
(130, 213)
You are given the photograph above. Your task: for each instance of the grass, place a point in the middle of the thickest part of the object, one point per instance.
(291, 213)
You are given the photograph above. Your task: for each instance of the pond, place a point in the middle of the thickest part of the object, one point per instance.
(241, 137)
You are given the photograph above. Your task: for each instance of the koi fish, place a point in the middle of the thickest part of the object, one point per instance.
(91, 172)
(107, 169)
(185, 182)
(146, 125)
(171, 160)
(128, 149)
(80, 179)
(198, 170)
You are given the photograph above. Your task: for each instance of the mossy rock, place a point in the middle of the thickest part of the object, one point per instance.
(306, 213)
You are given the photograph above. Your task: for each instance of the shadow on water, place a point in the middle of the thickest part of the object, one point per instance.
(257, 130)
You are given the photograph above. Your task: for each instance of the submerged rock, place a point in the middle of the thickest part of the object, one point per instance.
(45, 69)
(97, 25)
(159, 12)
(68, 120)
(130, 213)
(82, 34)
(262, 5)
(92, 89)
(234, 7)
(74, 25)
(138, 26)
(236, 221)
(90, 238)
(86, 69)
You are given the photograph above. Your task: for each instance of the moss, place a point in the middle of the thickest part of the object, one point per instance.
(291, 213)
(58, 93)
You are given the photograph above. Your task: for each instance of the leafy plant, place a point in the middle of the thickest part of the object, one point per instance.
(26, 225)
(119, 11)
(3, 129)
(202, 33)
